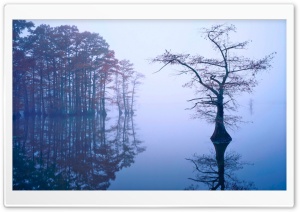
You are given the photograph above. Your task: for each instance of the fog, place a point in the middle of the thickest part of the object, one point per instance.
(162, 120)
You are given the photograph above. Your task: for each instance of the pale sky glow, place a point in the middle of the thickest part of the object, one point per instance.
(140, 40)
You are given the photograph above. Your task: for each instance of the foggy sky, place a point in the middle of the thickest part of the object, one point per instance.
(167, 128)
(141, 40)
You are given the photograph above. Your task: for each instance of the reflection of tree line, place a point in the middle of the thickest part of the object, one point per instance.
(78, 153)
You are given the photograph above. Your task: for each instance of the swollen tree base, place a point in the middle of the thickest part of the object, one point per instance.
(220, 135)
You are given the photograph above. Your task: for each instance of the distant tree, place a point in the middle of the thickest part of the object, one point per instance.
(135, 82)
(126, 82)
(126, 70)
(251, 106)
(217, 80)
(109, 66)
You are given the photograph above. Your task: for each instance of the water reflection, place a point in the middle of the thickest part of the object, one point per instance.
(217, 170)
(76, 153)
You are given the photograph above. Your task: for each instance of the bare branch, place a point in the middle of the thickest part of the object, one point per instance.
(198, 76)
(236, 46)
(197, 99)
(212, 77)
(162, 68)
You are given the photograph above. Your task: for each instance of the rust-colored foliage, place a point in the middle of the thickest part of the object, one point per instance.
(59, 71)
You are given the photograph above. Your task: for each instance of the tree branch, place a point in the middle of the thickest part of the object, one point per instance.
(215, 187)
(198, 76)
(212, 77)
(197, 99)
(162, 67)
(224, 57)
(241, 45)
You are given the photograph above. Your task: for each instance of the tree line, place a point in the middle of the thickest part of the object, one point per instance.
(59, 71)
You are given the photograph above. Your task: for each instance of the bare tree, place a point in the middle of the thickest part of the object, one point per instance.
(217, 170)
(135, 82)
(219, 79)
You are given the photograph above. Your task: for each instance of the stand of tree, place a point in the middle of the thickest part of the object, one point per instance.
(59, 71)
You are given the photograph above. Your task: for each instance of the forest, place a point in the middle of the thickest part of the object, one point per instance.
(59, 71)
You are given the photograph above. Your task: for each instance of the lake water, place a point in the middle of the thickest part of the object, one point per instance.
(148, 151)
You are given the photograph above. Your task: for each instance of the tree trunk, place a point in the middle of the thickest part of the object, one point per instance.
(26, 103)
(220, 134)
(132, 98)
(123, 95)
(220, 151)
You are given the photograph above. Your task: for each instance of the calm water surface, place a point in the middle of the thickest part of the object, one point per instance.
(147, 151)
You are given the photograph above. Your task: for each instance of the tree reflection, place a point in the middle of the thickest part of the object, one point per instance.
(76, 153)
(217, 170)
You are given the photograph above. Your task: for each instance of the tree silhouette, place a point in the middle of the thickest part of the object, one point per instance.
(125, 86)
(217, 80)
(217, 170)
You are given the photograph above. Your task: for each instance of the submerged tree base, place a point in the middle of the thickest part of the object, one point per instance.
(221, 139)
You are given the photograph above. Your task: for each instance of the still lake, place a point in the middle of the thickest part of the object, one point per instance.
(147, 151)
(151, 150)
